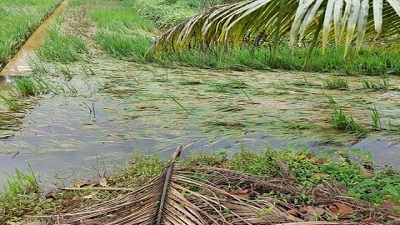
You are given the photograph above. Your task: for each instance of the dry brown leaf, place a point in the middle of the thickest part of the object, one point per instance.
(320, 175)
(241, 193)
(369, 220)
(368, 175)
(293, 212)
(315, 211)
(91, 195)
(389, 205)
(303, 209)
(340, 209)
(309, 217)
(80, 183)
(103, 182)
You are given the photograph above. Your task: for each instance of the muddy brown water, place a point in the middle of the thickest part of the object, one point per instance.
(121, 107)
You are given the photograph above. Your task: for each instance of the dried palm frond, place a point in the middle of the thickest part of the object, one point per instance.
(196, 196)
(342, 21)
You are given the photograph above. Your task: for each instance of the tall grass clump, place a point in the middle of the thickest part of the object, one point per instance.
(376, 118)
(252, 56)
(126, 47)
(10, 102)
(29, 86)
(343, 122)
(335, 83)
(164, 13)
(122, 20)
(62, 48)
(21, 192)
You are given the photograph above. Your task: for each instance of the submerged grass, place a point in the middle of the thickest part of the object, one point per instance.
(335, 83)
(376, 86)
(24, 87)
(164, 13)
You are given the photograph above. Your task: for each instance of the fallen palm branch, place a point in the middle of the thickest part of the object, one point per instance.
(346, 23)
(194, 196)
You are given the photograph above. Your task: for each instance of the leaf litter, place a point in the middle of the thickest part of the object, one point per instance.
(179, 195)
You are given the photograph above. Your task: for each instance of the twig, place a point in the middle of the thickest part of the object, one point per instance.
(180, 105)
(97, 188)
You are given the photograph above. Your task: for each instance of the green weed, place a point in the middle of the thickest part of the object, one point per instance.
(376, 86)
(231, 86)
(376, 118)
(121, 20)
(21, 192)
(250, 57)
(332, 101)
(38, 67)
(164, 13)
(29, 86)
(347, 123)
(140, 169)
(336, 83)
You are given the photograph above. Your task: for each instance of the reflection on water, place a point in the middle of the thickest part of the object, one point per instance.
(4, 83)
(62, 137)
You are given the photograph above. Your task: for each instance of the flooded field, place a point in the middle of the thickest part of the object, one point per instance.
(109, 108)
(126, 107)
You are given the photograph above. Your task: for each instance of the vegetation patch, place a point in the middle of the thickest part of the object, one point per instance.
(297, 183)
(128, 47)
(62, 48)
(18, 20)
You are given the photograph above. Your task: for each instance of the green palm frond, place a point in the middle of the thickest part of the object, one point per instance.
(345, 22)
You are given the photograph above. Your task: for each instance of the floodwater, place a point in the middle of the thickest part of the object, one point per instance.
(19, 64)
(121, 107)
(111, 108)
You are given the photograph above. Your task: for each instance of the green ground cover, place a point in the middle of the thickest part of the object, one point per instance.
(18, 19)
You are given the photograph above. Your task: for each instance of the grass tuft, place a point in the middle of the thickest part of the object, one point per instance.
(123, 46)
(336, 83)
(376, 86)
(62, 48)
(343, 122)
(21, 192)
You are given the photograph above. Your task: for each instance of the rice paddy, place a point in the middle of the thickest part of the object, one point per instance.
(18, 20)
